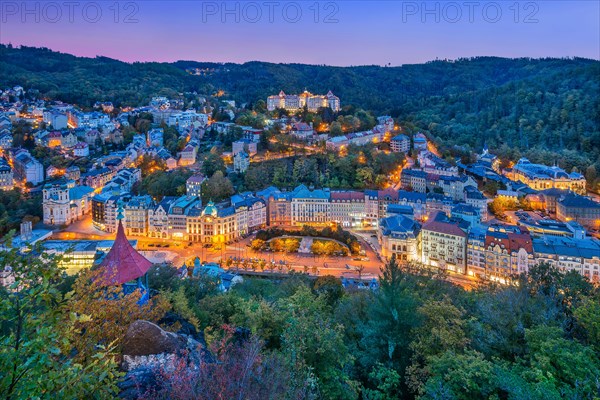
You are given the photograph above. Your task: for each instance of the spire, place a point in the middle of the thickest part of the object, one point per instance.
(122, 263)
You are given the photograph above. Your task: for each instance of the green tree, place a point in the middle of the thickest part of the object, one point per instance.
(35, 342)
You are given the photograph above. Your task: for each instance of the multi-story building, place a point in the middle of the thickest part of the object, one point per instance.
(135, 211)
(476, 251)
(347, 208)
(186, 119)
(415, 180)
(187, 156)
(540, 177)
(177, 216)
(433, 164)
(475, 198)
(420, 142)
(97, 178)
(193, 186)
(158, 219)
(81, 149)
(155, 137)
(569, 254)
(310, 207)
(241, 162)
(400, 144)
(6, 139)
(63, 202)
(244, 145)
(508, 250)
(437, 202)
(56, 119)
(294, 103)
(6, 175)
(212, 225)
(279, 207)
(400, 235)
(572, 207)
(444, 243)
(26, 169)
(454, 186)
(375, 135)
(250, 212)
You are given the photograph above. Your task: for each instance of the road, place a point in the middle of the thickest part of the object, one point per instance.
(366, 266)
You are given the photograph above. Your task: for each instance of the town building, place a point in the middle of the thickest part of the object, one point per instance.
(508, 250)
(347, 208)
(193, 186)
(295, 103)
(569, 254)
(302, 130)
(63, 202)
(433, 164)
(6, 175)
(81, 149)
(310, 207)
(572, 207)
(376, 135)
(454, 186)
(414, 180)
(420, 142)
(400, 236)
(26, 169)
(244, 145)
(400, 144)
(540, 177)
(241, 162)
(444, 243)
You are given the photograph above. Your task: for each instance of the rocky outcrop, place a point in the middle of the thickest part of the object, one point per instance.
(144, 338)
(147, 348)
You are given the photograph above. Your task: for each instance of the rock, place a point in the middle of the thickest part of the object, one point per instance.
(137, 383)
(144, 338)
(186, 328)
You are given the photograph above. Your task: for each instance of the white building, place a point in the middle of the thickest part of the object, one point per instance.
(241, 162)
(63, 202)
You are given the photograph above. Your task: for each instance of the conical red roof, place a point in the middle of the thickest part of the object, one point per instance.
(123, 263)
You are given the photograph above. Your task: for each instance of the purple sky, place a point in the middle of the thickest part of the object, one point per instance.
(342, 32)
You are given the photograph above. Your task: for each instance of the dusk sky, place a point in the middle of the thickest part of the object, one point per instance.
(334, 33)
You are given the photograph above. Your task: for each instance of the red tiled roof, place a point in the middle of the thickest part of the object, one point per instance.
(444, 227)
(347, 196)
(122, 263)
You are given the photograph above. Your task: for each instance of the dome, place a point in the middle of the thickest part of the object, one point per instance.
(210, 209)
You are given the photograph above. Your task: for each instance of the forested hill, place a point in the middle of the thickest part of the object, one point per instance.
(527, 103)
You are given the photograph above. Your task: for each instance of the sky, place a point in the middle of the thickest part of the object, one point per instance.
(343, 33)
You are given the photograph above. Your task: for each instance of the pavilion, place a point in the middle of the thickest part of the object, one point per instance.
(123, 265)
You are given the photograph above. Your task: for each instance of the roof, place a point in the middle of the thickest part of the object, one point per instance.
(399, 226)
(400, 137)
(437, 223)
(78, 192)
(347, 195)
(510, 237)
(573, 200)
(122, 263)
(570, 247)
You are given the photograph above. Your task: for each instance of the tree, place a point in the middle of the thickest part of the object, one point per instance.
(107, 312)
(313, 341)
(442, 330)
(217, 188)
(212, 163)
(37, 337)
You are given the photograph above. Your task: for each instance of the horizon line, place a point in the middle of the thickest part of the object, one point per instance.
(18, 46)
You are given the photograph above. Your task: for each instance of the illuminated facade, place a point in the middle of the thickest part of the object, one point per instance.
(541, 177)
(293, 103)
(63, 202)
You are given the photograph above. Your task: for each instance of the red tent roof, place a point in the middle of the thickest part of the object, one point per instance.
(123, 263)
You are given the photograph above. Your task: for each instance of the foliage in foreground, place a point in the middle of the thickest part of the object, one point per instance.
(417, 336)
